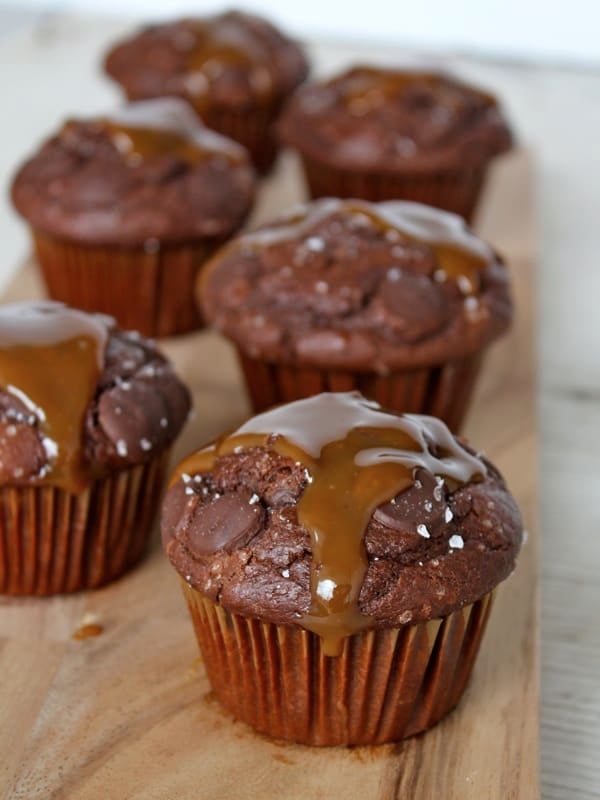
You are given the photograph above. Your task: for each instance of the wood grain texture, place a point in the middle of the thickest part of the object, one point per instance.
(129, 714)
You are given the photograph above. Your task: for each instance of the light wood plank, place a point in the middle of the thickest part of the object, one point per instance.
(27, 671)
(128, 714)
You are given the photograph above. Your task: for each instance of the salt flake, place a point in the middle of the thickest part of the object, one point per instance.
(456, 542)
(315, 243)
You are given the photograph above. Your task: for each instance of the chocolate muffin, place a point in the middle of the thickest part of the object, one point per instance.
(236, 69)
(386, 134)
(338, 562)
(88, 413)
(125, 208)
(395, 299)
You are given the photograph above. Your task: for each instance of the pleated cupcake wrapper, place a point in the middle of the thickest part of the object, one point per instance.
(251, 127)
(453, 191)
(442, 391)
(386, 684)
(53, 542)
(151, 292)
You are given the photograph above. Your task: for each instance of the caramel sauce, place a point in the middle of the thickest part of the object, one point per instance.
(364, 88)
(163, 127)
(139, 144)
(220, 43)
(283, 759)
(361, 82)
(50, 359)
(88, 631)
(460, 254)
(213, 50)
(357, 456)
(370, 85)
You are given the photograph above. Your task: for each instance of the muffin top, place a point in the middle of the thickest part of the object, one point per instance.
(226, 60)
(149, 173)
(361, 286)
(387, 120)
(79, 397)
(336, 515)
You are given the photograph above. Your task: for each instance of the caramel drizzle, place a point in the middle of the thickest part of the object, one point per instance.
(370, 83)
(221, 42)
(87, 631)
(139, 144)
(164, 127)
(363, 82)
(357, 457)
(460, 255)
(50, 359)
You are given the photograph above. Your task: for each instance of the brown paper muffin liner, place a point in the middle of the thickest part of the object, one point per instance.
(251, 127)
(53, 542)
(443, 391)
(457, 191)
(151, 292)
(384, 686)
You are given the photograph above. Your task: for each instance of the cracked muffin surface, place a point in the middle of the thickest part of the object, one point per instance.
(148, 174)
(223, 60)
(447, 532)
(358, 285)
(395, 120)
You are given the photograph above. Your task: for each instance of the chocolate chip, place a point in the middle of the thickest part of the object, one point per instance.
(420, 504)
(23, 455)
(227, 522)
(173, 508)
(416, 306)
(138, 416)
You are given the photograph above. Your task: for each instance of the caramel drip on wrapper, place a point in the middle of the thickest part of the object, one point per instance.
(357, 456)
(50, 359)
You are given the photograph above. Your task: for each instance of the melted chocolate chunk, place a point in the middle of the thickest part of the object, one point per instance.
(227, 522)
(173, 511)
(423, 503)
(22, 454)
(414, 308)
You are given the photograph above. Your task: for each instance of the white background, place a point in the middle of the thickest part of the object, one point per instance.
(555, 30)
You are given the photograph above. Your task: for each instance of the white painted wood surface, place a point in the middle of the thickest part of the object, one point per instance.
(48, 68)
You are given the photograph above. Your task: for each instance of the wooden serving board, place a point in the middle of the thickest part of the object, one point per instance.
(129, 714)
